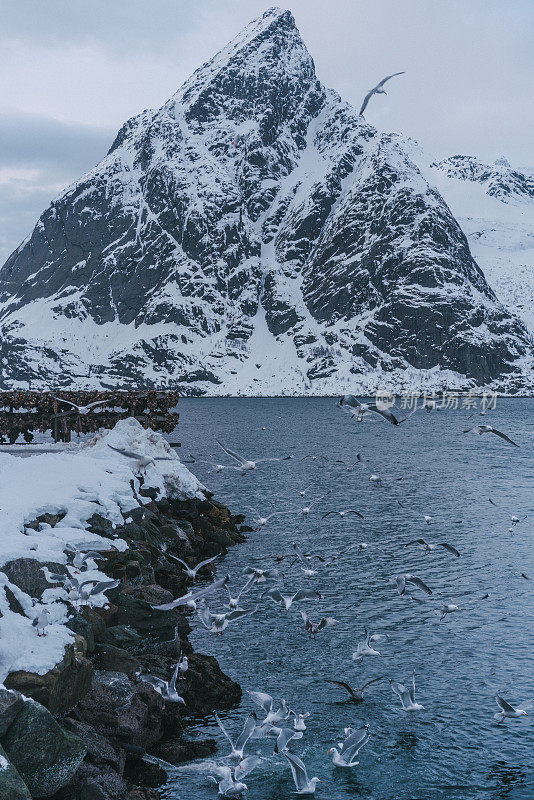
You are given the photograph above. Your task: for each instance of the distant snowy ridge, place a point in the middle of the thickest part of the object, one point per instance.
(256, 236)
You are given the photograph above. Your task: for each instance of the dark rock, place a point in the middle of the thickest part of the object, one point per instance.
(119, 687)
(79, 624)
(27, 574)
(94, 782)
(144, 773)
(11, 704)
(45, 755)
(12, 787)
(176, 751)
(122, 636)
(63, 686)
(99, 749)
(109, 657)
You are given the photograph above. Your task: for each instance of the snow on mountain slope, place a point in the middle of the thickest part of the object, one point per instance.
(255, 236)
(495, 208)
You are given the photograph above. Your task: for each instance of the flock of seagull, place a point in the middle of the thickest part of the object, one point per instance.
(280, 723)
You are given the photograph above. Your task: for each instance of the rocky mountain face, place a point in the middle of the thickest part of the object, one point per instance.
(255, 236)
(498, 179)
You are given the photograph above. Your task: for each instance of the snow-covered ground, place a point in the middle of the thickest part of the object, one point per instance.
(80, 480)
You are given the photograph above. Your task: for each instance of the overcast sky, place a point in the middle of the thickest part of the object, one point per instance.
(72, 71)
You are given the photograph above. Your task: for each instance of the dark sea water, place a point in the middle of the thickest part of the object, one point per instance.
(454, 749)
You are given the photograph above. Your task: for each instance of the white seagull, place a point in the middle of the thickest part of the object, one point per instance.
(365, 647)
(167, 689)
(191, 572)
(480, 429)
(287, 600)
(233, 602)
(429, 547)
(302, 783)
(355, 407)
(313, 628)
(246, 464)
(407, 696)
(81, 409)
(402, 580)
(266, 702)
(40, 622)
(191, 597)
(231, 778)
(239, 745)
(217, 623)
(345, 757)
(378, 89)
(449, 608)
(509, 712)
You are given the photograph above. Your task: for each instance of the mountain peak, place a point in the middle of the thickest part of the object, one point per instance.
(268, 53)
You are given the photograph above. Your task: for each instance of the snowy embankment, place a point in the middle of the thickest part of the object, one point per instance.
(77, 481)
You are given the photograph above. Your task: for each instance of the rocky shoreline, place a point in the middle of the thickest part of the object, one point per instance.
(93, 720)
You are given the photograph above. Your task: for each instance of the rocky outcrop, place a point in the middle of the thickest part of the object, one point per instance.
(45, 754)
(255, 235)
(12, 787)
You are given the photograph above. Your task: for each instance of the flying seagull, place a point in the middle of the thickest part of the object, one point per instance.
(191, 572)
(343, 514)
(246, 464)
(480, 429)
(377, 90)
(508, 711)
(233, 602)
(167, 689)
(142, 461)
(365, 648)
(402, 580)
(353, 406)
(217, 623)
(287, 600)
(81, 409)
(313, 628)
(231, 778)
(345, 757)
(239, 745)
(266, 702)
(191, 597)
(407, 696)
(429, 547)
(449, 608)
(356, 695)
(302, 783)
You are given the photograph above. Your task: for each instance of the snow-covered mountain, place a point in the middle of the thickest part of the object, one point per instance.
(255, 236)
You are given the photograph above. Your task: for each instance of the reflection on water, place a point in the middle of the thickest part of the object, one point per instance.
(454, 749)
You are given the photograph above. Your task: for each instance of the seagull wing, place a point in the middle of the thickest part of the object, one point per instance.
(412, 688)
(96, 403)
(299, 553)
(302, 594)
(374, 680)
(262, 699)
(246, 733)
(354, 742)
(170, 555)
(351, 400)
(231, 453)
(418, 582)
(207, 561)
(343, 686)
(127, 453)
(383, 412)
(366, 100)
(352, 511)
(103, 586)
(326, 622)
(401, 690)
(503, 436)
(300, 775)
(192, 596)
(450, 548)
(503, 704)
(383, 81)
(400, 580)
(246, 766)
(224, 731)
(417, 541)
(68, 402)
(233, 615)
(328, 514)
(157, 683)
(273, 594)
(284, 737)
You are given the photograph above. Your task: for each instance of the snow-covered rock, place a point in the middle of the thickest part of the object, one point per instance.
(85, 478)
(255, 236)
